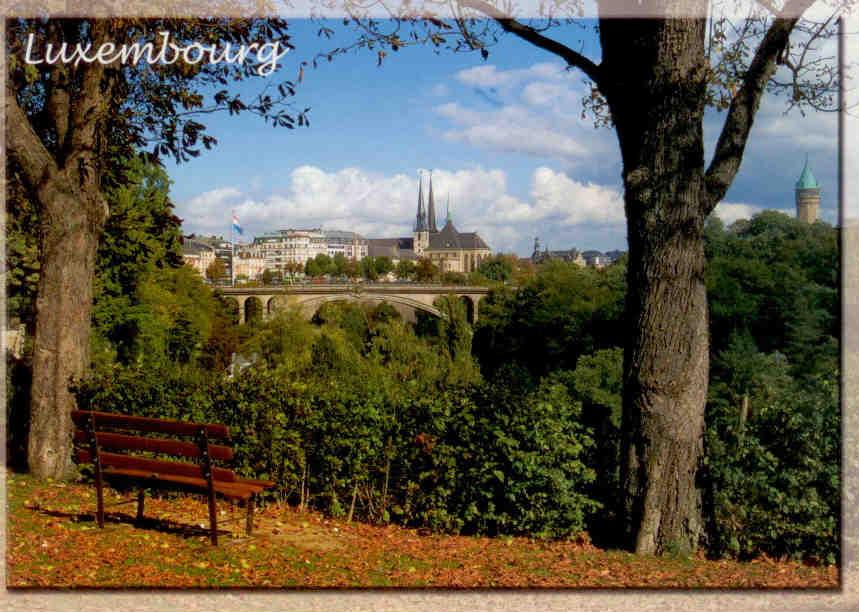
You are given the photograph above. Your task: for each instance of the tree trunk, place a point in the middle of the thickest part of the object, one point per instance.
(72, 222)
(655, 94)
(64, 175)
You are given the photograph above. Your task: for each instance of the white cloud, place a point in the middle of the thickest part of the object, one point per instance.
(557, 196)
(440, 90)
(488, 75)
(384, 206)
(815, 132)
(729, 212)
(512, 129)
(558, 95)
(315, 197)
(216, 198)
(535, 111)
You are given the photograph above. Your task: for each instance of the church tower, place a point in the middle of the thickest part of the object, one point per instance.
(421, 235)
(420, 218)
(807, 195)
(431, 208)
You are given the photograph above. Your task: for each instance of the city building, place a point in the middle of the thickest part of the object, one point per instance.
(197, 254)
(290, 246)
(348, 244)
(596, 259)
(807, 195)
(455, 251)
(396, 249)
(448, 248)
(249, 265)
(572, 255)
(298, 246)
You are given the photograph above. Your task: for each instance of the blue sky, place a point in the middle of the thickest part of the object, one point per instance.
(504, 137)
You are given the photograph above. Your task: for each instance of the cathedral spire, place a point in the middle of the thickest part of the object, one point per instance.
(420, 220)
(431, 208)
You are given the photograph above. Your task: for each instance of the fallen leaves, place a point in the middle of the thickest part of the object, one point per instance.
(53, 543)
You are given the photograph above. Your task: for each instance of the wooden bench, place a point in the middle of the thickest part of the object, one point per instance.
(109, 442)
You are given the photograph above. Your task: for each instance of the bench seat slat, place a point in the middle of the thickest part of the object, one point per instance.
(156, 466)
(230, 490)
(117, 441)
(124, 421)
(263, 484)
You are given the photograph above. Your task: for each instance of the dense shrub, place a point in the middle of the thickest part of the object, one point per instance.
(772, 437)
(772, 458)
(563, 312)
(523, 462)
(374, 420)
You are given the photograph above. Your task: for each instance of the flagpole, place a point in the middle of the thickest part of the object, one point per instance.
(233, 250)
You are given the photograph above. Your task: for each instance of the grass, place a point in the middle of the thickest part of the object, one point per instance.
(53, 542)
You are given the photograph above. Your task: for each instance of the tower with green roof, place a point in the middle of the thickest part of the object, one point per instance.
(807, 195)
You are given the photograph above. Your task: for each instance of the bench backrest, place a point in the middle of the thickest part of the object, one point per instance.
(120, 435)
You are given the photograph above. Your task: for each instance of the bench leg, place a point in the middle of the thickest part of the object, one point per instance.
(140, 506)
(213, 519)
(99, 500)
(249, 519)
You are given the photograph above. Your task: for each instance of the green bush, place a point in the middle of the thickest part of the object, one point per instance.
(523, 462)
(396, 432)
(772, 458)
(772, 436)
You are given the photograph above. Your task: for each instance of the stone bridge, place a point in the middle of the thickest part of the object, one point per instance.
(406, 298)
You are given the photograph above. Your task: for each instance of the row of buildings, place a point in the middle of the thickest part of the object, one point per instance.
(280, 251)
(596, 259)
(274, 251)
(448, 248)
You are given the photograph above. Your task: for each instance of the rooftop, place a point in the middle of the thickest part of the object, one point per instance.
(806, 179)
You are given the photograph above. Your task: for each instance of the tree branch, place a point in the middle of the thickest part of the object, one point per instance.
(89, 101)
(741, 113)
(529, 34)
(58, 99)
(24, 144)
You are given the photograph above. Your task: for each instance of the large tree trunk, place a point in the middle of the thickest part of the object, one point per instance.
(653, 75)
(63, 174)
(657, 107)
(72, 222)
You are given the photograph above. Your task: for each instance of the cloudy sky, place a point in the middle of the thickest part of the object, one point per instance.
(504, 137)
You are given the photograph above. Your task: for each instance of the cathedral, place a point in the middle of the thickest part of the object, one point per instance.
(449, 249)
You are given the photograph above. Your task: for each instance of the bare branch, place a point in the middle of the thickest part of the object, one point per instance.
(529, 34)
(738, 124)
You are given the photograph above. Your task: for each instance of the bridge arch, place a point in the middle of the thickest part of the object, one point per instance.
(235, 306)
(253, 308)
(408, 299)
(470, 310)
(273, 303)
(310, 305)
